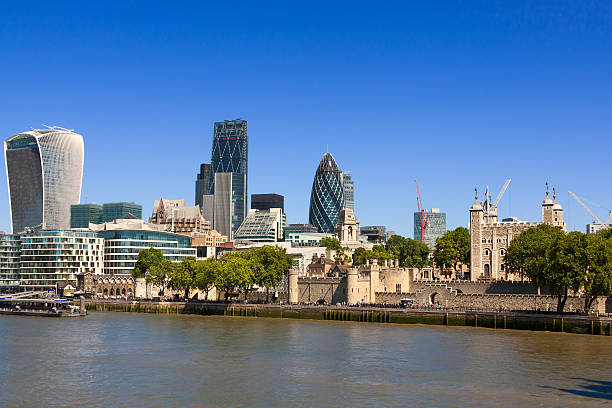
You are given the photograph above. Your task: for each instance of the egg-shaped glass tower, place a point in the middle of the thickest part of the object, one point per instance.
(327, 197)
(44, 170)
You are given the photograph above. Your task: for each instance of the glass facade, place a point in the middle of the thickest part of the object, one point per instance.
(83, 214)
(327, 197)
(262, 226)
(114, 211)
(10, 264)
(121, 248)
(348, 187)
(230, 155)
(44, 169)
(435, 228)
(267, 201)
(201, 187)
(50, 256)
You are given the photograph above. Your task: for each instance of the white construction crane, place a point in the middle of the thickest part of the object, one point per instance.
(596, 220)
(501, 193)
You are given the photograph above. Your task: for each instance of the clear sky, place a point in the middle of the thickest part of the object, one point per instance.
(454, 94)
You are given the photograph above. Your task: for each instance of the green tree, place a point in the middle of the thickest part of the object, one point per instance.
(183, 275)
(236, 271)
(206, 275)
(360, 256)
(413, 254)
(270, 264)
(146, 259)
(158, 274)
(452, 248)
(598, 279)
(568, 265)
(394, 243)
(331, 243)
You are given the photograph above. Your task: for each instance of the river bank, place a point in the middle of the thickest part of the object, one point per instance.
(494, 320)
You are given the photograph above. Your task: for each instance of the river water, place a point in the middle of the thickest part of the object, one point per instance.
(141, 360)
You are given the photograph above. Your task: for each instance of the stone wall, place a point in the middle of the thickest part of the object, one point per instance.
(330, 290)
(497, 287)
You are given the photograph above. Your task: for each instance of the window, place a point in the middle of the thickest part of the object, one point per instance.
(398, 287)
(486, 252)
(502, 252)
(502, 267)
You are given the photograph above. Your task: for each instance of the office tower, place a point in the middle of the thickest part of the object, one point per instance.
(224, 203)
(230, 155)
(114, 211)
(262, 226)
(201, 184)
(267, 201)
(81, 215)
(327, 197)
(435, 228)
(348, 188)
(44, 169)
(208, 207)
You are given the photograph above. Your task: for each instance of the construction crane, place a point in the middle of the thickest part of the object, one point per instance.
(501, 193)
(597, 220)
(423, 220)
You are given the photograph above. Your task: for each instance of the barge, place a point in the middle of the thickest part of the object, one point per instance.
(41, 307)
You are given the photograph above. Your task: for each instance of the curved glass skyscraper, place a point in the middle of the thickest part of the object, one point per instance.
(327, 197)
(44, 169)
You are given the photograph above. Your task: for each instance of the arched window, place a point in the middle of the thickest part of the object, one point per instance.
(487, 270)
(502, 252)
(105, 292)
(486, 252)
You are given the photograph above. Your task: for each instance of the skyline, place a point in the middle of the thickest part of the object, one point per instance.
(456, 83)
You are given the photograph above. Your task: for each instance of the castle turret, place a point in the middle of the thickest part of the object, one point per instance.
(476, 221)
(293, 286)
(552, 211)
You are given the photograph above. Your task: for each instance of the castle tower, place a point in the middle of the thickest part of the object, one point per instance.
(347, 229)
(476, 222)
(552, 211)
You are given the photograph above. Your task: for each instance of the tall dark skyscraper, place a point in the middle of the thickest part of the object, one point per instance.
(267, 201)
(327, 197)
(201, 184)
(230, 155)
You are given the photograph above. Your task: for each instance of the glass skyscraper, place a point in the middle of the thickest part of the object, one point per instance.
(435, 228)
(327, 197)
(44, 169)
(202, 180)
(348, 187)
(230, 155)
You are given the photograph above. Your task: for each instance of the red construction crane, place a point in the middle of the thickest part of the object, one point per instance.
(423, 220)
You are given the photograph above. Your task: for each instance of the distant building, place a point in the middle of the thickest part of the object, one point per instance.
(52, 256)
(229, 156)
(10, 263)
(114, 211)
(179, 218)
(44, 169)
(210, 239)
(435, 228)
(349, 190)
(300, 228)
(374, 233)
(81, 215)
(202, 184)
(327, 197)
(267, 201)
(125, 238)
(347, 229)
(595, 228)
(262, 226)
(303, 239)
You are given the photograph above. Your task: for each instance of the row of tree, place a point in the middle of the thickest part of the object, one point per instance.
(564, 262)
(263, 267)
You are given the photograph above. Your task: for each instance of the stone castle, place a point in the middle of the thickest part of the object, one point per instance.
(490, 238)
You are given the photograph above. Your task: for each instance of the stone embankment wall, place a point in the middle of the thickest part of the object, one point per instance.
(497, 287)
(493, 320)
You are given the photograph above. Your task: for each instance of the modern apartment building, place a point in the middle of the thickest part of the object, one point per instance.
(44, 169)
(327, 197)
(10, 263)
(125, 238)
(52, 256)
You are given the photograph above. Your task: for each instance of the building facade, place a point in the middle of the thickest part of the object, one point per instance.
(327, 196)
(44, 169)
(51, 256)
(434, 229)
(267, 201)
(179, 218)
(124, 239)
(489, 239)
(10, 263)
(348, 187)
(201, 184)
(81, 215)
(304, 239)
(230, 155)
(262, 226)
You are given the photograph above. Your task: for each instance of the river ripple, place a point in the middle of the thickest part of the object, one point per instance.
(140, 360)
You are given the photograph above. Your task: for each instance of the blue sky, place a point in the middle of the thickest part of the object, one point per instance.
(454, 94)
